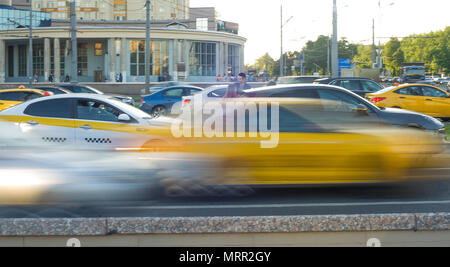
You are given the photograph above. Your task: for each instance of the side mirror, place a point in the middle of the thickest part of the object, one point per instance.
(124, 118)
(361, 108)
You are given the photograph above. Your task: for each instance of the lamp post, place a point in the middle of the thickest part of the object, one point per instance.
(334, 45)
(281, 46)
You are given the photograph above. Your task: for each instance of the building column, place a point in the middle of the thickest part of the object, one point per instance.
(2, 61)
(123, 59)
(175, 60)
(241, 59)
(221, 60)
(225, 54)
(112, 60)
(46, 59)
(56, 60)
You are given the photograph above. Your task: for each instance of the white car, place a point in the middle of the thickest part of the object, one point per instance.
(212, 93)
(84, 121)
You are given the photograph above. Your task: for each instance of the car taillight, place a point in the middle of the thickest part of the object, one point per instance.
(47, 93)
(377, 99)
(142, 100)
(186, 101)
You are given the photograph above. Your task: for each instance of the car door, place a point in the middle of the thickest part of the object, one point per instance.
(98, 126)
(348, 105)
(352, 85)
(172, 96)
(49, 122)
(437, 102)
(410, 98)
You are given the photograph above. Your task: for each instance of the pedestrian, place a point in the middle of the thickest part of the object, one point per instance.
(36, 78)
(50, 77)
(67, 79)
(242, 82)
(237, 89)
(120, 77)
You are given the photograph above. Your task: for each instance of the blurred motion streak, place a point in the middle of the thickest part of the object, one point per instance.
(315, 147)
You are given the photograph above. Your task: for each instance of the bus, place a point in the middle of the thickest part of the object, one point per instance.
(412, 72)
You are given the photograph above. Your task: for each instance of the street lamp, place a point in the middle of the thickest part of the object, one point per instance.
(281, 47)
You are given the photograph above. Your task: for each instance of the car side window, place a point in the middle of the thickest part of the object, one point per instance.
(335, 82)
(12, 96)
(411, 90)
(343, 102)
(352, 85)
(30, 95)
(190, 92)
(369, 86)
(56, 108)
(302, 93)
(173, 93)
(217, 93)
(88, 109)
(429, 91)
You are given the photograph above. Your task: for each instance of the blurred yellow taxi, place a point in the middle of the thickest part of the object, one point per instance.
(426, 99)
(302, 141)
(12, 97)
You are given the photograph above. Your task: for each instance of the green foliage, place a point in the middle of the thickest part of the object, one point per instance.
(432, 48)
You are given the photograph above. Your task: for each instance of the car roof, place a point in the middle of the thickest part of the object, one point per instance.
(23, 90)
(183, 86)
(281, 87)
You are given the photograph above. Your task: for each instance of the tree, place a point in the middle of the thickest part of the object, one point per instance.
(393, 56)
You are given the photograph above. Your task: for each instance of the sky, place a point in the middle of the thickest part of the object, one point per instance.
(259, 21)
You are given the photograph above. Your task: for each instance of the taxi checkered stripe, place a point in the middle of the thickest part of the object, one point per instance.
(98, 140)
(54, 139)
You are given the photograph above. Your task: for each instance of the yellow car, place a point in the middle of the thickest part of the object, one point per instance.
(310, 145)
(12, 97)
(426, 99)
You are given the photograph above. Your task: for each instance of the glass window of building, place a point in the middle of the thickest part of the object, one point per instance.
(159, 58)
(202, 56)
(83, 59)
(23, 52)
(233, 58)
(137, 58)
(38, 59)
(98, 49)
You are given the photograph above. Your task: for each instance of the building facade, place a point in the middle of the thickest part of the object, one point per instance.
(115, 9)
(105, 51)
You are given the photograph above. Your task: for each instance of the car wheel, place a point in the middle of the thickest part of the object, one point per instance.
(159, 111)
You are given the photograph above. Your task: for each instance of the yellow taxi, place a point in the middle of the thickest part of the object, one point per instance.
(300, 142)
(86, 121)
(12, 97)
(426, 99)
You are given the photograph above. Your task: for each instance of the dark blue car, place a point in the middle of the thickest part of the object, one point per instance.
(160, 102)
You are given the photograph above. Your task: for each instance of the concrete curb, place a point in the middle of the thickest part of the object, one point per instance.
(202, 225)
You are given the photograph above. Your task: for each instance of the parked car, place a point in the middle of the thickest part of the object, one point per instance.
(426, 99)
(360, 86)
(54, 89)
(160, 103)
(351, 102)
(214, 92)
(90, 90)
(12, 97)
